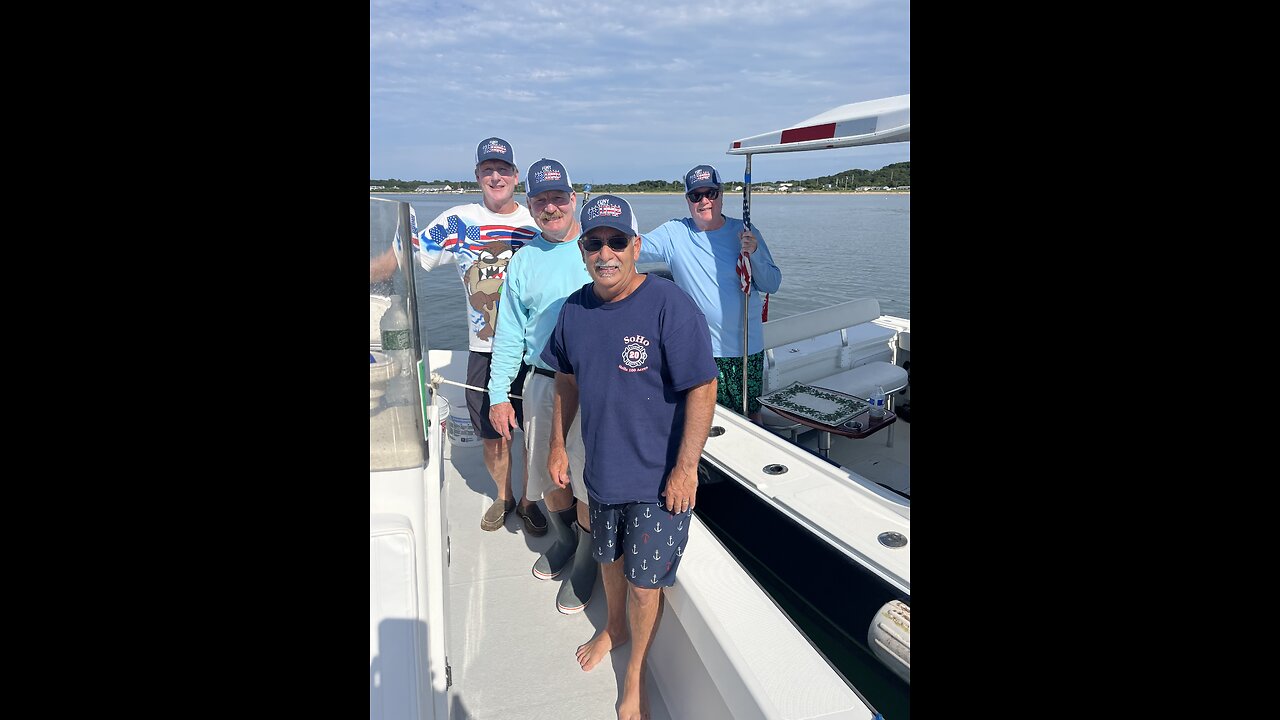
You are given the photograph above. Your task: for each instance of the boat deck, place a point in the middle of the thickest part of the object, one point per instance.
(868, 457)
(512, 653)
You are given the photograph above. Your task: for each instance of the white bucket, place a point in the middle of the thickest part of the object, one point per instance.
(457, 423)
(442, 412)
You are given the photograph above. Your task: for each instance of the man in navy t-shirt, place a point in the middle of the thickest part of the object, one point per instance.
(634, 353)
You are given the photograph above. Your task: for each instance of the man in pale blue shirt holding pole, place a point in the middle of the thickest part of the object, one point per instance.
(702, 251)
(539, 279)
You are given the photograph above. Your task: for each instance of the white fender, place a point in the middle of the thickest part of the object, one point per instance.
(889, 637)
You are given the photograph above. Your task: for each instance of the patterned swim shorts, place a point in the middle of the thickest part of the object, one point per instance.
(650, 539)
(729, 382)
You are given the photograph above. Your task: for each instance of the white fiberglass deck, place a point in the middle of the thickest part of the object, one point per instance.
(842, 505)
(870, 458)
(512, 653)
(723, 649)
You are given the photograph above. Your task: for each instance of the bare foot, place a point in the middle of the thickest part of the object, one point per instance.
(635, 703)
(592, 652)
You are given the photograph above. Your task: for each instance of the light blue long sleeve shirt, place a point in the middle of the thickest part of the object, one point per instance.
(704, 265)
(539, 279)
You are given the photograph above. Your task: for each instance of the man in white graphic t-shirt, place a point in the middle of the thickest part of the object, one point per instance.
(480, 238)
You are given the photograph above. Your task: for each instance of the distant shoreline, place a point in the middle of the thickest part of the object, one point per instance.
(640, 192)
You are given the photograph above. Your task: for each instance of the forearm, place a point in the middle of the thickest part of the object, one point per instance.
(654, 245)
(700, 406)
(765, 276)
(382, 266)
(566, 409)
(505, 364)
(508, 348)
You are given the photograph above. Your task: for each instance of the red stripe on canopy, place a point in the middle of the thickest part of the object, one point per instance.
(813, 132)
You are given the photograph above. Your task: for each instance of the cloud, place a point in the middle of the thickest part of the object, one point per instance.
(642, 91)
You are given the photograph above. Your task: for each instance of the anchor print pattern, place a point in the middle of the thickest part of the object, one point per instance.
(649, 522)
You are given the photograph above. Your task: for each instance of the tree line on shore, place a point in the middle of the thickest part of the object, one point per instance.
(896, 175)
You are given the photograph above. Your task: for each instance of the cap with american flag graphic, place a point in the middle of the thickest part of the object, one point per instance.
(495, 148)
(547, 175)
(700, 177)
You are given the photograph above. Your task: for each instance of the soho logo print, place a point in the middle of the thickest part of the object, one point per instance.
(634, 354)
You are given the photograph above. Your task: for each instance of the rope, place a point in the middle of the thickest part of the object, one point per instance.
(436, 379)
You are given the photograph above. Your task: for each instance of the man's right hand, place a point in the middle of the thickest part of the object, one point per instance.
(558, 465)
(503, 418)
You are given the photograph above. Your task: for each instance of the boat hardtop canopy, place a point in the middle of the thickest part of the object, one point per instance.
(871, 122)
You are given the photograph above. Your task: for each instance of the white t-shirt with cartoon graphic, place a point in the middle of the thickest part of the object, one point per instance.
(480, 242)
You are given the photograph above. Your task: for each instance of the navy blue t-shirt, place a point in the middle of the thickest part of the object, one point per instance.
(633, 361)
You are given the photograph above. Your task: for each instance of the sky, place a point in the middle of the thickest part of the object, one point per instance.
(624, 92)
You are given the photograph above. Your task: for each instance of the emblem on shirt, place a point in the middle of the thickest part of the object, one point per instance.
(634, 353)
(484, 283)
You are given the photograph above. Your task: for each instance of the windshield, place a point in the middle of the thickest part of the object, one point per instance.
(396, 392)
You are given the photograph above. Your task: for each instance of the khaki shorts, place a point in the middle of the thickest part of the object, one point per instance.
(539, 395)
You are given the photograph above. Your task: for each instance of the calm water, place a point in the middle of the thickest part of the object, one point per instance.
(830, 248)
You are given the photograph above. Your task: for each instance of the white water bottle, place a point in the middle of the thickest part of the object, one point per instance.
(398, 345)
(877, 403)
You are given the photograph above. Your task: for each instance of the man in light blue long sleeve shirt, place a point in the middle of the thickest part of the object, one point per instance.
(702, 252)
(539, 279)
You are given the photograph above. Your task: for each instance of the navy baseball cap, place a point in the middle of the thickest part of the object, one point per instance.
(700, 177)
(546, 175)
(608, 211)
(495, 148)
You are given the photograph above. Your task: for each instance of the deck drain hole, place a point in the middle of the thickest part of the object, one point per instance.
(892, 539)
(715, 431)
(775, 469)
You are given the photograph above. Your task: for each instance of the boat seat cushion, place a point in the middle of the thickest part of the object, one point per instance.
(862, 381)
(394, 649)
(809, 348)
(826, 354)
(784, 331)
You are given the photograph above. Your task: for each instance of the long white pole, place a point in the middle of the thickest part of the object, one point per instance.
(746, 297)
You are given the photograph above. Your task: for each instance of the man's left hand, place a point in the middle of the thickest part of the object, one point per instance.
(682, 490)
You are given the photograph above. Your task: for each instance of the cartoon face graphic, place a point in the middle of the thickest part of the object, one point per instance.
(484, 283)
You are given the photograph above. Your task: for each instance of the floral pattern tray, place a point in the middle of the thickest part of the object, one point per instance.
(817, 404)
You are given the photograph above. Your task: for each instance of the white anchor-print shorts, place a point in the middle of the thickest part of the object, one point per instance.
(649, 538)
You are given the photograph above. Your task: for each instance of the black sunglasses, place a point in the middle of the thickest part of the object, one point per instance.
(617, 243)
(697, 195)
